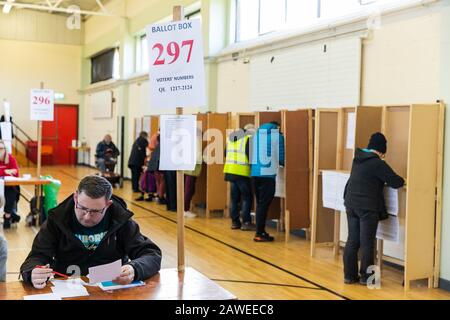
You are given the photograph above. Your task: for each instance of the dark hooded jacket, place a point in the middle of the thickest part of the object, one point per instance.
(364, 189)
(138, 153)
(56, 244)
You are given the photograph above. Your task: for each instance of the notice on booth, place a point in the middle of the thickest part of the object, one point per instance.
(177, 72)
(178, 142)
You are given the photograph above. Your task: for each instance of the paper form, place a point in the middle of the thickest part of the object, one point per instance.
(391, 200)
(45, 296)
(389, 229)
(105, 272)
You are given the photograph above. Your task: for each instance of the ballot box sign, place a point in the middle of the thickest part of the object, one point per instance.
(178, 141)
(177, 75)
(41, 104)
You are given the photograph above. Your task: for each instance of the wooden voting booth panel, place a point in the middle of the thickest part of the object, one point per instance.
(296, 125)
(325, 150)
(199, 198)
(154, 125)
(216, 186)
(261, 118)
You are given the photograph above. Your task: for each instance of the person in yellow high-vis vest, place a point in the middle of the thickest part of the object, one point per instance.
(237, 172)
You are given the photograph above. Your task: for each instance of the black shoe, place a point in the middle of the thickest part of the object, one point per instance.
(6, 223)
(149, 199)
(235, 225)
(141, 198)
(162, 201)
(15, 218)
(363, 281)
(248, 226)
(351, 281)
(264, 237)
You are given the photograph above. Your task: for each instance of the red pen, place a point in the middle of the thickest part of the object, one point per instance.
(54, 272)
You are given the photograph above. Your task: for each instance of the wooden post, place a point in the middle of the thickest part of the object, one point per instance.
(178, 14)
(440, 159)
(339, 157)
(39, 141)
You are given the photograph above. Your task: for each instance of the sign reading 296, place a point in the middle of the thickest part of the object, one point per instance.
(171, 53)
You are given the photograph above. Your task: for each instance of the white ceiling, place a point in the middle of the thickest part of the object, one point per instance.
(88, 5)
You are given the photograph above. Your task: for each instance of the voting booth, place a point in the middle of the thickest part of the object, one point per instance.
(415, 141)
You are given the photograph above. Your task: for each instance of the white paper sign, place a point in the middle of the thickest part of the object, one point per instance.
(177, 75)
(178, 139)
(41, 104)
(280, 184)
(389, 229)
(391, 200)
(333, 186)
(351, 129)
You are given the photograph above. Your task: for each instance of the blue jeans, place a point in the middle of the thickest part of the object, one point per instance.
(241, 190)
(3, 256)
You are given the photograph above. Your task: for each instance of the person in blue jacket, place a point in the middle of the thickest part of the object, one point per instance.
(267, 155)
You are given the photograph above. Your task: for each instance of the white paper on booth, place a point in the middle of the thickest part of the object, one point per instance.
(391, 200)
(389, 229)
(178, 140)
(105, 272)
(342, 179)
(329, 185)
(351, 128)
(280, 184)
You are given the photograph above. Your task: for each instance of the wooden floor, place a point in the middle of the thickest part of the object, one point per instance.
(249, 270)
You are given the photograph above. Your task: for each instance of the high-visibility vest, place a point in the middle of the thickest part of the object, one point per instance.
(237, 161)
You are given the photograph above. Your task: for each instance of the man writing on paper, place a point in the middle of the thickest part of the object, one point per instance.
(92, 227)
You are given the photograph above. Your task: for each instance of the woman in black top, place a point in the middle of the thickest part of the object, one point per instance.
(137, 159)
(364, 203)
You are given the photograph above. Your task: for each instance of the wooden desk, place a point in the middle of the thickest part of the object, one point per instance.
(85, 150)
(38, 185)
(168, 284)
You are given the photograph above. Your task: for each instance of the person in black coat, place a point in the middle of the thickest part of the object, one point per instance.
(71, 240)
(365, 206)
(137, 159)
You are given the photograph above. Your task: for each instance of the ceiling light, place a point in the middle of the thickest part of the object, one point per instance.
(7, 7)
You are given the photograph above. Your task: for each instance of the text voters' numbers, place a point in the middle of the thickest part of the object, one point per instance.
(41, 100)
(173, 50)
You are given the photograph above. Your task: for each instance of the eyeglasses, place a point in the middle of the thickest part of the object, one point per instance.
(92, 212)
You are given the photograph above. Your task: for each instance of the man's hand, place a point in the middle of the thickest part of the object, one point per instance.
(11, 172)
(39, 276)
(127, 275)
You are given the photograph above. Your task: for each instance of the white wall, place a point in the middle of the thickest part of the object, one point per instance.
(24, 64)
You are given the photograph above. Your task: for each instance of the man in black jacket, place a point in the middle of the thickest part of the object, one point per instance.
(364, 203)
(90, 228)
(137, 159)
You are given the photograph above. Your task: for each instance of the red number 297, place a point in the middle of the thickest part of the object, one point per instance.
(173, 50)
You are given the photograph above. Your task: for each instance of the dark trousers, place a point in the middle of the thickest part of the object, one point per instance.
(241, 189)
(264, 192)
(170, 178)
(362, 230)
(12, 196)
(189, 190)
(135, 175)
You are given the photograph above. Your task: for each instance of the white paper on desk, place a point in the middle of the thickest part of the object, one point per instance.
(45, 296)
(280, 184)
(351, 127)
(389, 229)
(105, 272)
(391, 200)
(70, 291)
